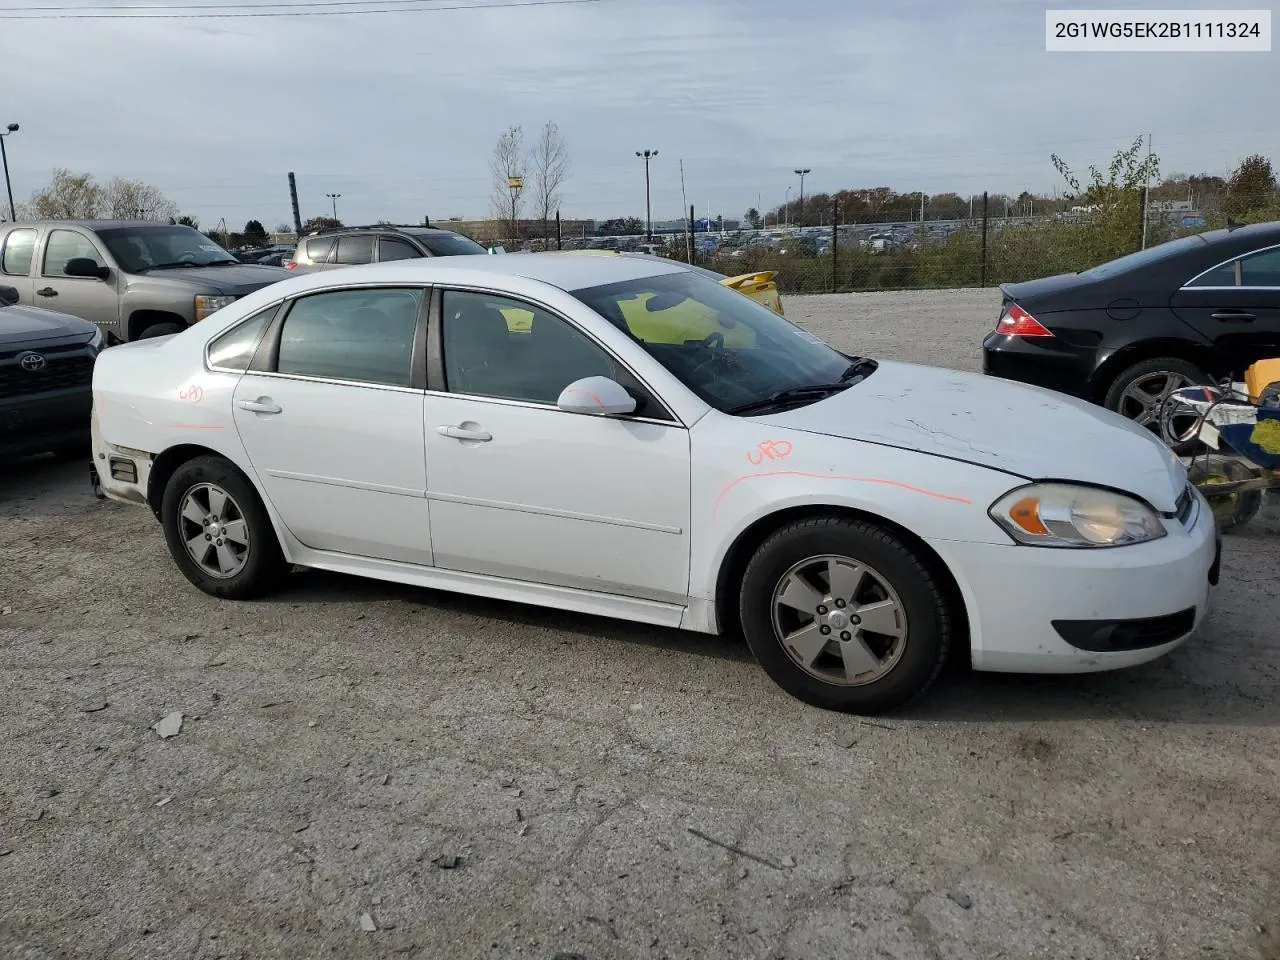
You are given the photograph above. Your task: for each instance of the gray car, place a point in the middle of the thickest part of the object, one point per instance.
(133, 279)
(348, 246)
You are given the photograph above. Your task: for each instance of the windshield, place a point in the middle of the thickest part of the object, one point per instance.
(449, 244)
(141, 248)
(728, 349)
(1143, 257)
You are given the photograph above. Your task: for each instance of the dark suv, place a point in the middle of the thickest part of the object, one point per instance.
(46, 379)
(348, 246)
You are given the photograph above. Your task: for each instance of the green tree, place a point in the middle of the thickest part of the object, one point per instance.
(1115, 227)
(185, 221)
(754, 219)
(1252, 187)
(321, 223)
(255, 235)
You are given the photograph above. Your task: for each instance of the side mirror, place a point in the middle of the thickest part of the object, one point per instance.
(497, 249)
(85, 267)
(9, 296)
(596, 396)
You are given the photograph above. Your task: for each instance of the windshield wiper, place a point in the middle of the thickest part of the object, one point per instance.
(175, 265)
(859, 365)
(221, 263)
(816, 391)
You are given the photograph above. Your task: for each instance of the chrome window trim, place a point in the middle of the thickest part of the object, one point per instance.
(363, 384)
(475, 288)
(530, 404)
(1237, 257)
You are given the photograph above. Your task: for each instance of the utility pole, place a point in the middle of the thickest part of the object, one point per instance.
(334, 197)
(4, 158)
(648, 206)
(801, 173)
(1146, 193)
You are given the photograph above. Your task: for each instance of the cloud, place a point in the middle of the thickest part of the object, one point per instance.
(399, 112)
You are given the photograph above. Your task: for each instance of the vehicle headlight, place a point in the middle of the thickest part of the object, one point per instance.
(1074, 515)
(206, 305)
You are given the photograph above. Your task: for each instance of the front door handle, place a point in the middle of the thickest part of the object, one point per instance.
(261, 405)
(462, 433)
(47, 292)
(1234, 316)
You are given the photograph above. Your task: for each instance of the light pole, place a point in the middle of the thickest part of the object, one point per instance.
(801, 174)
(334, 197)
(648, 207)
(4, 157)
(786, 209)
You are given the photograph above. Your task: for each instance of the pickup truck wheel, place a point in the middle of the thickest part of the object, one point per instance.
(843, 615)
(160, 330)
(218, 531)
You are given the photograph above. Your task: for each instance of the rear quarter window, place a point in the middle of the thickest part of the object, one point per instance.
(318, 250)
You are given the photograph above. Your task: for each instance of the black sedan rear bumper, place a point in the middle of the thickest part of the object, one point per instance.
(1041, 361)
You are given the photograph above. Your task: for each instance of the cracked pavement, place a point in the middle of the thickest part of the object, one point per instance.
(344, 739)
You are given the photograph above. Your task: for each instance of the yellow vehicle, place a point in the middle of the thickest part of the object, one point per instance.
(692, 320)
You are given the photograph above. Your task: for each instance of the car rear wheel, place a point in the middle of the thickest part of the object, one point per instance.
(844, 616)
(1141, 391)
(218, 531)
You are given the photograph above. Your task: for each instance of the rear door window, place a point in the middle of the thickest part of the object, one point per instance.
(360, 336)
(353, 250)
(19, 246)
(389, 248)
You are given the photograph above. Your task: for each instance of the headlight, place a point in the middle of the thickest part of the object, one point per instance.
(1071, 515)
(205, 306)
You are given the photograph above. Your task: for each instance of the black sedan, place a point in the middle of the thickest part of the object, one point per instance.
(1129, 332)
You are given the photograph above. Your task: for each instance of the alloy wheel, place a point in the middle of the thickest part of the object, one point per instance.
(839, 620)
(214, 530)
(1145, 402)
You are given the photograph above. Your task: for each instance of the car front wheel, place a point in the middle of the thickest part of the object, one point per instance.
(843, 615)
(218, 531)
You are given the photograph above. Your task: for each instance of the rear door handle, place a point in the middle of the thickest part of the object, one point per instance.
(261, 405)
(1234, 316)
(459, 433)
(47, 292)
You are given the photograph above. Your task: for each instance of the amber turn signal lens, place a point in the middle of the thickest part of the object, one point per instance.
(1026, 514)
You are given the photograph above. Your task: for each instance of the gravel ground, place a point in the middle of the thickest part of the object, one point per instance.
(346, 740)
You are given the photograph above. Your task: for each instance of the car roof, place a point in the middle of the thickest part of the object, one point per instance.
(556, 268)
(95, 224)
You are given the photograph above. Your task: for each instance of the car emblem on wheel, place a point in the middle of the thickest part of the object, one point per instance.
(32, 362)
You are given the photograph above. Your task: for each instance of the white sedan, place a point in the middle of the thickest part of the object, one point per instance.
(627, 437)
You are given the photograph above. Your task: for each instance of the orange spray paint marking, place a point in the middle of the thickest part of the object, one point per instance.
(598, 402)
(949, 498)
(769, 450)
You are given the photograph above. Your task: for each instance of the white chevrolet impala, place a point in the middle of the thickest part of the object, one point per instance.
(629, 438)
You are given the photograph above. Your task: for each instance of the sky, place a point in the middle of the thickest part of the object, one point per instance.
(399, 112)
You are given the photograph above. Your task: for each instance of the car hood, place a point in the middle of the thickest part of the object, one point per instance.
(235, 280)
(1022, 430)
(24, 324)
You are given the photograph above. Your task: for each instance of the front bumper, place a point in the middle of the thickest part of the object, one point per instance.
(40, 422)
(1130, 604)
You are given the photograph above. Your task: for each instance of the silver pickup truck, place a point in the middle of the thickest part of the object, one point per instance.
(133, 279)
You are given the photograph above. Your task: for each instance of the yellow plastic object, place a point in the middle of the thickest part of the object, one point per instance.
(1262, 374)
(759, 286)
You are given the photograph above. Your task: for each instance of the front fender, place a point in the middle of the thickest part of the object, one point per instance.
(744, 472)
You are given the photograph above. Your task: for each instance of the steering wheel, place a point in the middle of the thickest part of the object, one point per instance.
(187, 258)
(714, 344)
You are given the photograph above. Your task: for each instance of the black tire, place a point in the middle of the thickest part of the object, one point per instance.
(1169, 366)
(264, 567)
(927, 637)
(160, 330)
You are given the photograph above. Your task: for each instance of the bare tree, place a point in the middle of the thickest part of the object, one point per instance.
(550, 163)
(507, 167)
(134, 200)
(69, 196)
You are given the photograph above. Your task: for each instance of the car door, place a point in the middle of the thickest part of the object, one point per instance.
(353, 250)
(522, 490)
(330, 414)
(17, 255)
(1236, 305)
(89, 298)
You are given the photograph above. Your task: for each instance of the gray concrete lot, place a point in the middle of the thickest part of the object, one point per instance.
(345, 740)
